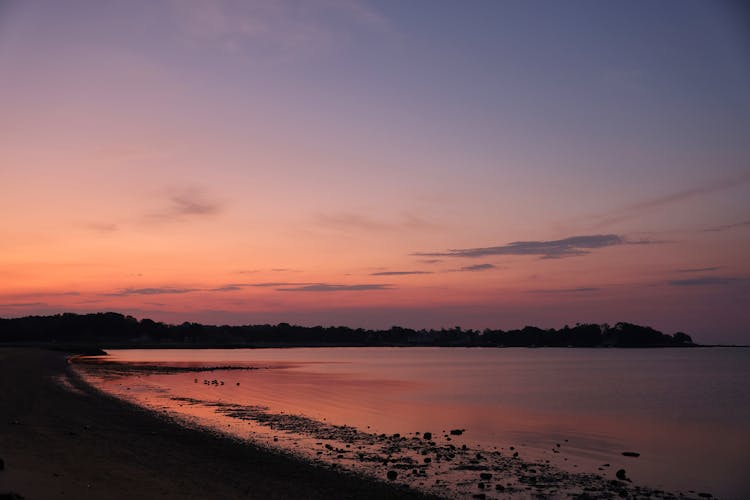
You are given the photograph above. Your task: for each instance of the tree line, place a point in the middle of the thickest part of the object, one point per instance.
(110, 329)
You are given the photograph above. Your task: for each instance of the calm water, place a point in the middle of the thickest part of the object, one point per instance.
(686, 411)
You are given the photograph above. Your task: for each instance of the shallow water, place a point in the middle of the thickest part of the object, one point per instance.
(686, 411)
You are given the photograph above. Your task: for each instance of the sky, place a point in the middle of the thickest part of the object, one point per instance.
(486, 164)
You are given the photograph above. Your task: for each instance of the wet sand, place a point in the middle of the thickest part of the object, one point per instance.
(67, 440)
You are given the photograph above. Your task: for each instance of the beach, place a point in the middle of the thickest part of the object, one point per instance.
(60, 438)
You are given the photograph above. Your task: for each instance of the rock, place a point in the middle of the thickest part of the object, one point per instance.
(705, 495)
(481, 486)
(485, 475)
(2, 464)
(457, 432)
(10, 496)
(480, 496)
(499, 487)
(631, 454)
(392, 475)
(620, 474)
(427, 460)
(427, 436)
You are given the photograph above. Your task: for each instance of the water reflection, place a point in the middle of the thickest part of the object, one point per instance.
(571, 409)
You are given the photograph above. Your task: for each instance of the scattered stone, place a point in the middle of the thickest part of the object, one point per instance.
(480, 486)
(631, 454)
(499, 487)
(427, 460)
(479, 496)
(392, 475)
(485, 475)
(620, 474)
(427, 436)
(705, 495)
(457, 432)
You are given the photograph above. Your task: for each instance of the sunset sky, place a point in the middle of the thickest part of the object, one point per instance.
(419, 163)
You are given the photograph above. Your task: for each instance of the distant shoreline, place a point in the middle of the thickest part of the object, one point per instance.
(115, 330)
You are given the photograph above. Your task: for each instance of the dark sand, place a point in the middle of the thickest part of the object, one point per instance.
(62, 443)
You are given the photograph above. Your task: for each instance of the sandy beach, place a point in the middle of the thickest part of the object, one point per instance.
(66, 440)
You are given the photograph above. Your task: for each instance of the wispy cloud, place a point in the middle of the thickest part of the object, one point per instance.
(644, 207)
(25, 304)
(698, 269)
(125, 292)
(268, 284)
(101, 227)
(478, 267)
(348, 222)
(583, 289)
(554, 249)
(727, 227)
(276, 26)
(183, 204)
(399, 273)
(431, 261)
(225, 288)
(704, 281)
(34, 295)
(326, 287)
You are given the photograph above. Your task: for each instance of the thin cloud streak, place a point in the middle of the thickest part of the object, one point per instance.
(326, 287)
(348, 221)
(275, 26)
(268, 284)
(644, 207)
(584, 289)
(704, 281)
(125, 292)
(555, 249)
(399, 273)
(478, 267)
(698, 269)
(185, 203)
(727, 227)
